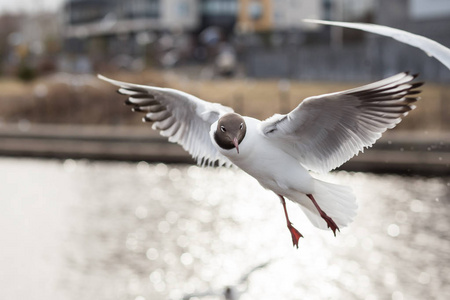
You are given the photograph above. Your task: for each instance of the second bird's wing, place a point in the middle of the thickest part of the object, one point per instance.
(431, 47)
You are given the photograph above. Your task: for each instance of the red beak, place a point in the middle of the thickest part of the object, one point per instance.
(236, 144)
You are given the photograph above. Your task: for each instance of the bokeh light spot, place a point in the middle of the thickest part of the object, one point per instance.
(393, 230)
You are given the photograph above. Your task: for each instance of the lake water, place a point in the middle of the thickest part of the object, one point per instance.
(116, 230)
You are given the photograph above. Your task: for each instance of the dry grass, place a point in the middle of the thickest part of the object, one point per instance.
(261, 98)
(96, 103)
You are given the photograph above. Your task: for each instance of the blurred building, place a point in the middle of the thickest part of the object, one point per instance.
(273, 15)
(118, 32)
(84, 18)
(349, 55)
(218, 13)
(267, 36)
(125, 30)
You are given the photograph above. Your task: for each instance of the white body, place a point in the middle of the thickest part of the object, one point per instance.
(281, 173)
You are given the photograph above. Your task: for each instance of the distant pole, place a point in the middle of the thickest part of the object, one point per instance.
(336, 31)
(284, 87)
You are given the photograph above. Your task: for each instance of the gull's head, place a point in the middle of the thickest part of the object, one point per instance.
(230, 131)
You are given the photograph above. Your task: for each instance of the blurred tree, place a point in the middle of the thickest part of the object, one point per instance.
(25, 72)
(8, 25)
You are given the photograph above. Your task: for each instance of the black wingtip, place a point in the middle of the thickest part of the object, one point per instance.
(413, 92)
(147, 119)
(138, 109)
(414, 75)
(417, 84)
(410, 100)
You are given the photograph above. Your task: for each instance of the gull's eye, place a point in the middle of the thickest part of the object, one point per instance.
(241, 126)
(222, 128)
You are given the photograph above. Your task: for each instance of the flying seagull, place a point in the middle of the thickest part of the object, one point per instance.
(320, 134)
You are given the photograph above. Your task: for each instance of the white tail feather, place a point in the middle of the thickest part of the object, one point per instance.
(337, 201)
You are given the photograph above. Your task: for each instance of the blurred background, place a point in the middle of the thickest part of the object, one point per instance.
(96, 205)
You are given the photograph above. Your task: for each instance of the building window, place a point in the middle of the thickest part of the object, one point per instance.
(219, 7)
(255, 10)
(85, 12)
(141, 9)
(183, 9)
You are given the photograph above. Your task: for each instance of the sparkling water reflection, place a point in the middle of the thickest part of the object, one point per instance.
(98, 230)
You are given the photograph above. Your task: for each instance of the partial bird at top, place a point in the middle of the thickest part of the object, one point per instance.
(320, 134)
(429, 46)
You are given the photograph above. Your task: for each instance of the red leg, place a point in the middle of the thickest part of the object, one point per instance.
(294, 232)
(324, 216)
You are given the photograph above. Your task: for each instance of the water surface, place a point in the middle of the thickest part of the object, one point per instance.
(114, 230)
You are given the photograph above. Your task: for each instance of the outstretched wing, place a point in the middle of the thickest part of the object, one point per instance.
(183, 118)
(431, 47)
(325, 131)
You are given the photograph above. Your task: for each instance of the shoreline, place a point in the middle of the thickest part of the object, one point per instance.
(396, 152)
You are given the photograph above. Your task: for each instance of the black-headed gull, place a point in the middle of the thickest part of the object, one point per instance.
(320, 134)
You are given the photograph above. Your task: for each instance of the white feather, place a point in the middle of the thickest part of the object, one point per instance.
(338, 201)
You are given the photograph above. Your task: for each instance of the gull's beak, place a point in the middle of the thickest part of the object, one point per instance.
(236, 144)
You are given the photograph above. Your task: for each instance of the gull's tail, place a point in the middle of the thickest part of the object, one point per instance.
(337, 201)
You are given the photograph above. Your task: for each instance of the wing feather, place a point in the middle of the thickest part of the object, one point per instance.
(325, 131)
(183, 118)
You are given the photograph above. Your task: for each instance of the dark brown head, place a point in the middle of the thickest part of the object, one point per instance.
(230, 131)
